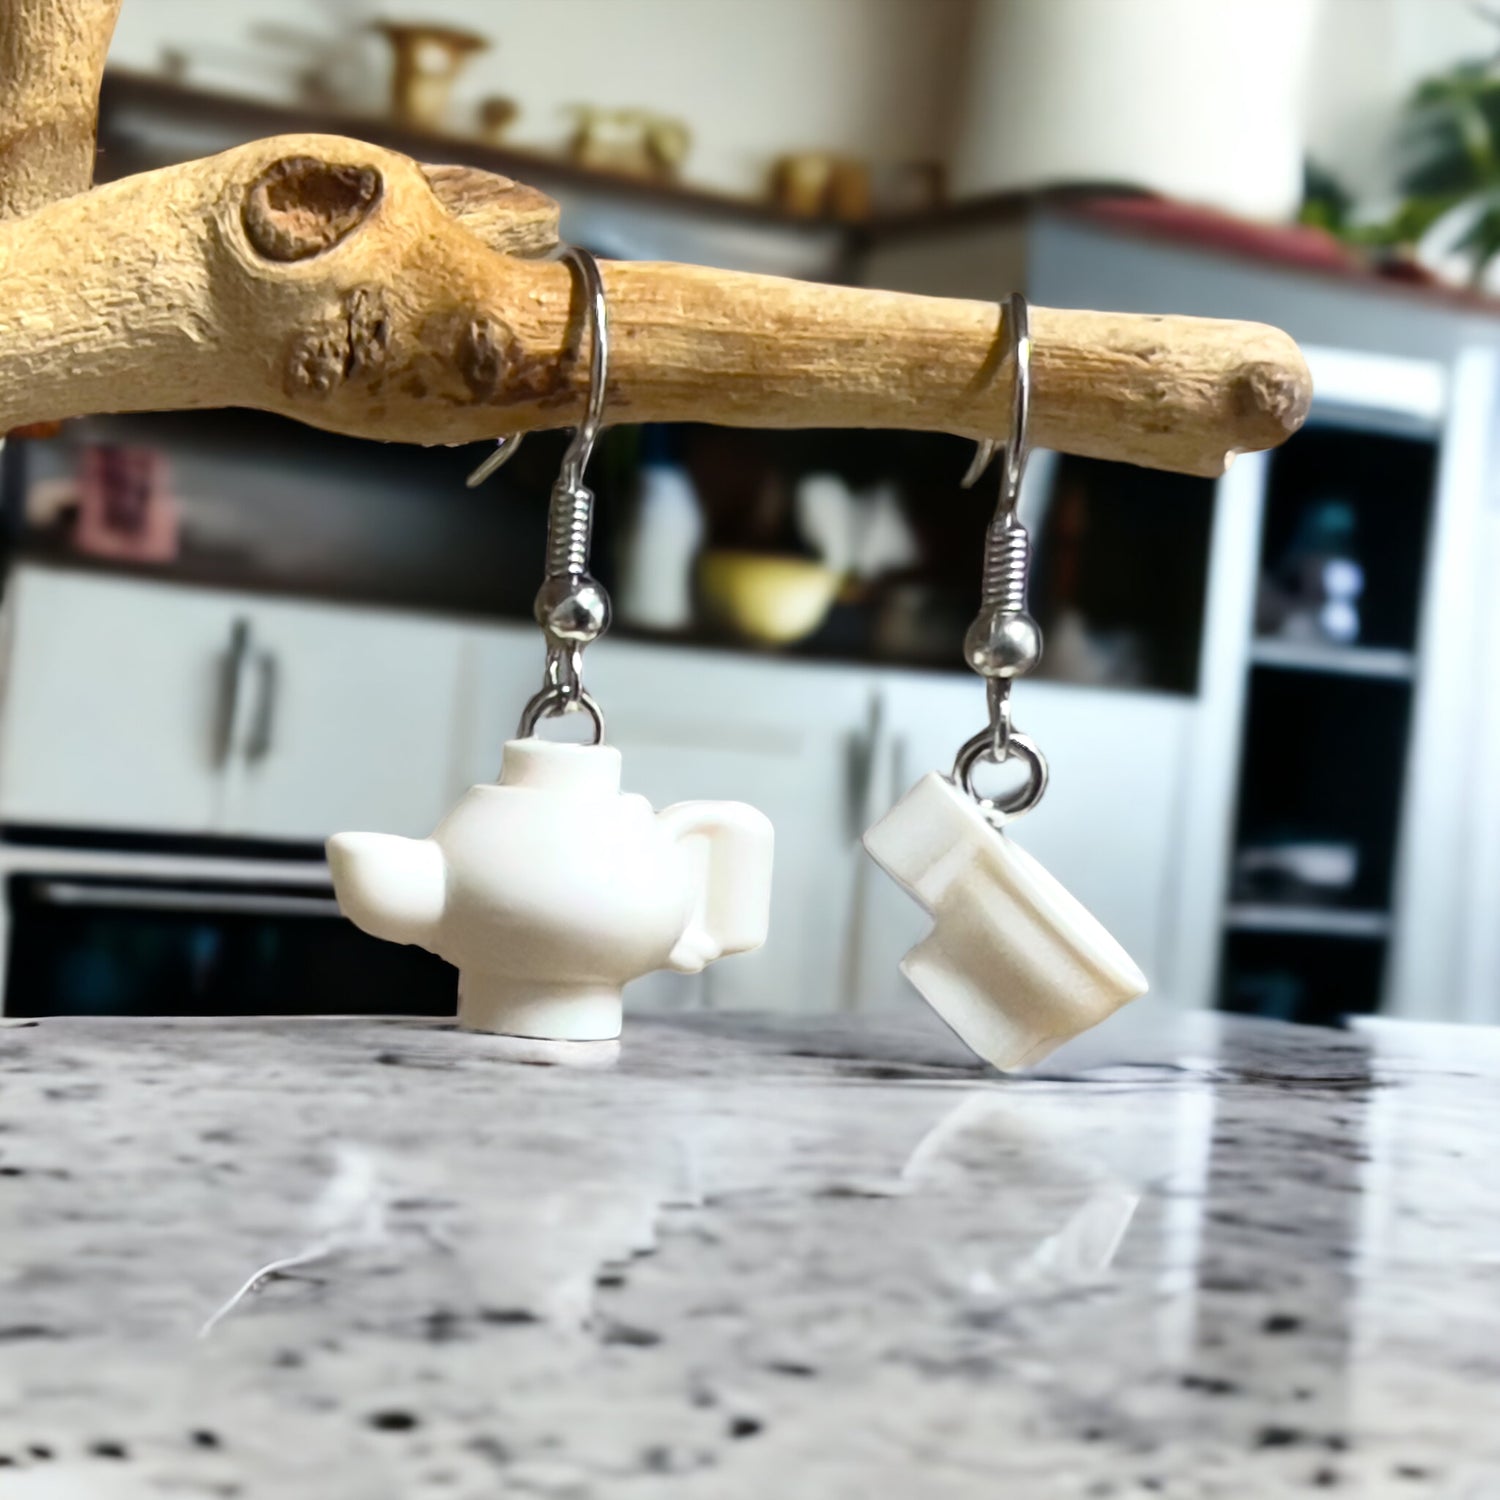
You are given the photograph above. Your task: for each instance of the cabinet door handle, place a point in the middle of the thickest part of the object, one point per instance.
(863, 750)
(232, 691)
(172, 899)
(258, 741)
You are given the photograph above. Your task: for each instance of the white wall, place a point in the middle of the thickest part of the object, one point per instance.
(885, 79)
(1367, 56)
(751, 77)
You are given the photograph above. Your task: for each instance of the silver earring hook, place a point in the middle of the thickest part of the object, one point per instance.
(1004, 642)
(505, 450)
(587, 433)
(1018, 446)
(572, 606)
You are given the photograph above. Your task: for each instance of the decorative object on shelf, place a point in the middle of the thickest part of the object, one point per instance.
(1296, 869)
(766, 597)
(125, 507)
(553, 889)
(1313, 593)
(427, 61)
(665, 533)
(827, 514)
(323, 66)
(496, 115)
(1014, 963)
(908, 187)
(821, 185)
(860, 536)
(1172, 135)
(633, 142)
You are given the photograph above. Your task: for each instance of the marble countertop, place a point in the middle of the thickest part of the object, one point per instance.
(1196, 1257)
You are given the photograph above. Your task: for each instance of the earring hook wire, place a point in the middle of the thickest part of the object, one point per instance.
(587, 432)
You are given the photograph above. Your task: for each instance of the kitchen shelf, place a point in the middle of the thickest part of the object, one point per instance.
(1326, 726)
(1319, 921)
(1348, 661)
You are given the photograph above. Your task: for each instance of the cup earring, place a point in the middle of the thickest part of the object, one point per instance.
(552, 889)
(1014, 963)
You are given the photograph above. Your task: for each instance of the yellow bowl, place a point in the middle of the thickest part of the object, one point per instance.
(766, 598)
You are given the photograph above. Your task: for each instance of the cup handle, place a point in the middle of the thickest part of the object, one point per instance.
(731, 846)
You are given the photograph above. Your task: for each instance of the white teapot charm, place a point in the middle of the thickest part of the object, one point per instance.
(553, 889)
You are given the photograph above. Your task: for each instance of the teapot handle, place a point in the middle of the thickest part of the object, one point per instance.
(731, 845)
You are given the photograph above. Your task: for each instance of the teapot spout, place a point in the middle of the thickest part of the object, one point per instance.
(390, 887)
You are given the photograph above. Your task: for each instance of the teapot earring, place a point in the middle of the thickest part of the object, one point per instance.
(552, 889)
(1014, 964)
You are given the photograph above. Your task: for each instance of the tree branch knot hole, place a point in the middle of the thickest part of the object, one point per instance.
(301, 206)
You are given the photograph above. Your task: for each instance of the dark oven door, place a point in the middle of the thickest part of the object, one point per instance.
(107, 946)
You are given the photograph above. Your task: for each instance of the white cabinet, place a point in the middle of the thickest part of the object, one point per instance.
(148, 707)
(113, 703)
(140, 706)
(351, 725)
(777, 734)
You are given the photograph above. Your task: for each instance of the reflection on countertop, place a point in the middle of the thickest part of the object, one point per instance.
(1200, 1256)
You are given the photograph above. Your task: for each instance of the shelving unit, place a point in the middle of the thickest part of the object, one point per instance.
(1413, 373)
(1324, 744)
(1348, 661)
(1274, 916)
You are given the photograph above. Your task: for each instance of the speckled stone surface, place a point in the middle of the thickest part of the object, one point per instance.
(1196, 1258)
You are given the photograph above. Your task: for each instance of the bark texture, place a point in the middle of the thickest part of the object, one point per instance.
(51, 61)
(346, 286)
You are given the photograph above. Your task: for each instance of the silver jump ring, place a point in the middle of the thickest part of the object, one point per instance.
(552, 703)
(997, 691)
(1002, 810)
(564, 671)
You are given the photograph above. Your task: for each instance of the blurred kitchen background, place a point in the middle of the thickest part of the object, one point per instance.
(1271, 702)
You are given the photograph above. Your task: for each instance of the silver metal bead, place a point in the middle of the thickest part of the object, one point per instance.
(1000, 644)
(573, 608)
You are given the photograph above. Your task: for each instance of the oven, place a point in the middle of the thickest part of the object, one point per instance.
(107, 942)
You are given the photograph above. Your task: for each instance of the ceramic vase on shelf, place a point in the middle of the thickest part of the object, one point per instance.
(656, 566)
(1200, 100)
(425, 62)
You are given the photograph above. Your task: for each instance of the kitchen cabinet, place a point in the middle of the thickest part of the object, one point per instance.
(824, 751)
(141, 708)
(147, 707)
(785, 737)
(113, 703)
(355, 725)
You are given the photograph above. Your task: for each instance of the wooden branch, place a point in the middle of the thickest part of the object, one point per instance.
(345, 286)
(51, 62)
